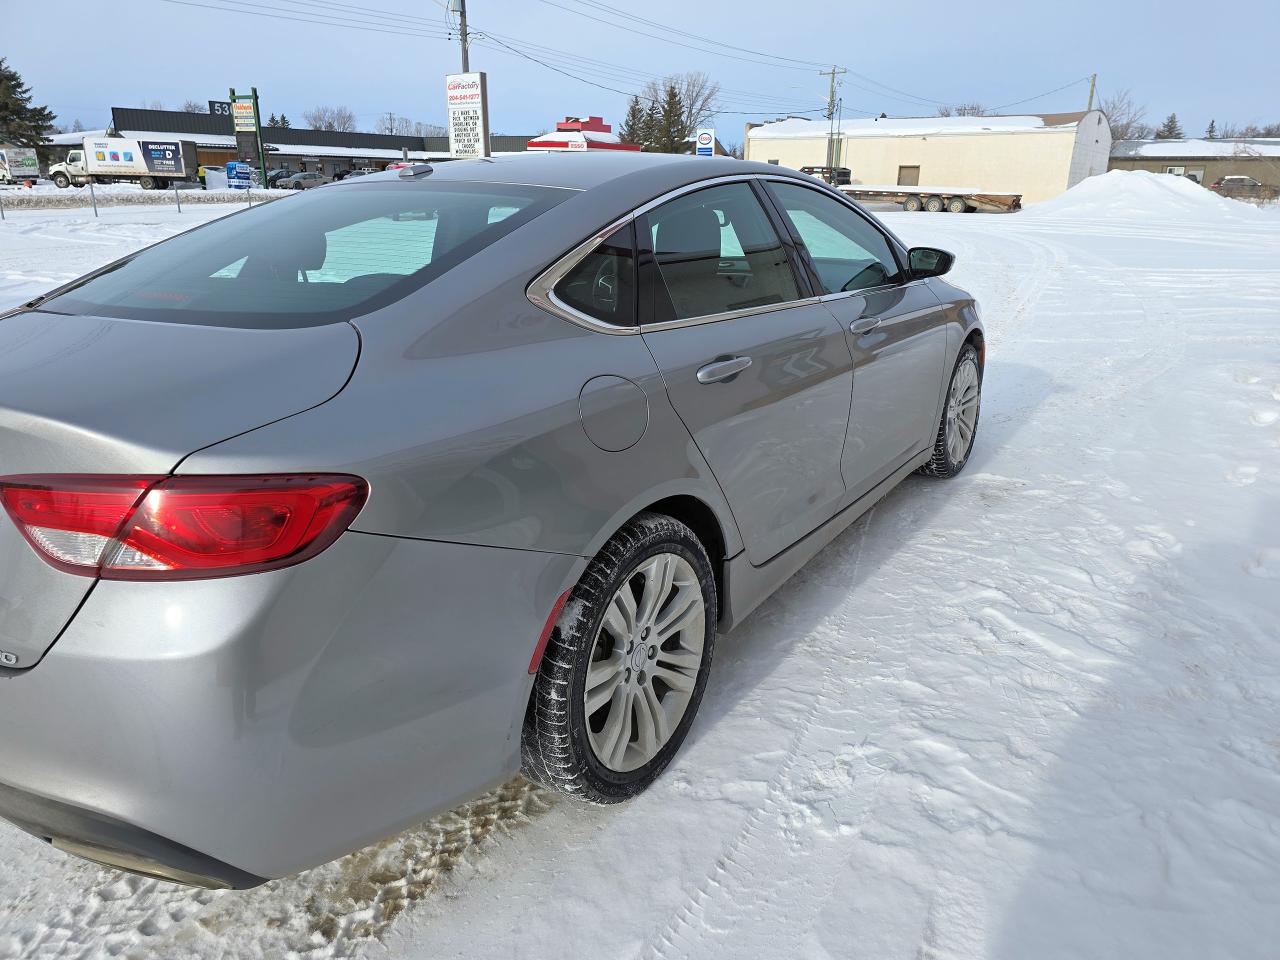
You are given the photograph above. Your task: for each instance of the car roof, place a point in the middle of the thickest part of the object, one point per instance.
(590, 169)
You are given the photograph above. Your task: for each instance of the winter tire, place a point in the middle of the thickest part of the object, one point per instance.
(147, 183)
(912, 204)
(626, 665)
(61, 181)
(957, 205)
(933, 205)
(959, 424)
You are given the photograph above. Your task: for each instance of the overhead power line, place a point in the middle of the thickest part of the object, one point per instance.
(1040, 96)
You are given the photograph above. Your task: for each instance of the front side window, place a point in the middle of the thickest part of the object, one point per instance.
(717, 252)
(603, 285)
(321, 257)
(846, 251)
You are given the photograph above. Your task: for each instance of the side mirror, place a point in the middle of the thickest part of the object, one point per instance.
(928, 262)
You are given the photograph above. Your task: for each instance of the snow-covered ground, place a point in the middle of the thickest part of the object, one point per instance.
(1033, 712)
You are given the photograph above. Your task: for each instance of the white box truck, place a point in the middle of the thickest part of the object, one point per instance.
(18, 164)
(153, 164)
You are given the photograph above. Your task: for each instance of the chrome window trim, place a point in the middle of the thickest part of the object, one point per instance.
(541, 292)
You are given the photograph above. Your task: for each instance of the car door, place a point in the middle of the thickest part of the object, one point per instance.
(894, 325)
(757, 369)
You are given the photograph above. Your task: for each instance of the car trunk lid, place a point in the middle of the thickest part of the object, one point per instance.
(84, 394)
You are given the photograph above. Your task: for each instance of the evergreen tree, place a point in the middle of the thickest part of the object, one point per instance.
(20, 123)
(649, 129)
(672, 136)
(273, 121)
(632, 129)
(1211, 133)
(1170, 129)
(284, 122)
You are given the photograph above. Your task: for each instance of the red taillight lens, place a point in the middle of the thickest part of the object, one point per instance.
(180, 528)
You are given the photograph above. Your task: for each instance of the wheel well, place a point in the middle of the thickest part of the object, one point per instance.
(701, 519)
(980, 344)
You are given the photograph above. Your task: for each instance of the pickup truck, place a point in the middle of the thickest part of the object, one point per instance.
(153, 164)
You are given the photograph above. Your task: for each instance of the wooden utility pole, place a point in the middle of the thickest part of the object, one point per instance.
(462, 35)
(1093, 86)
(831, 116)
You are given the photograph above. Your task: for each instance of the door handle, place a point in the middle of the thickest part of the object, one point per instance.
(864, 325)
(723, 369)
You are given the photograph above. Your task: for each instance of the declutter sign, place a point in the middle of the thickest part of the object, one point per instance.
(467, 99)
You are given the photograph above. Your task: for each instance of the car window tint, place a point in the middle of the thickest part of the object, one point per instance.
(318, 257)
(603, 284)
(847, 252)
(716, 251)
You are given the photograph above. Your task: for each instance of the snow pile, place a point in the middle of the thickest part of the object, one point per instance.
(1141, 195)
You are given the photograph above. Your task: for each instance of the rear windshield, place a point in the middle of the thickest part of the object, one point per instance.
(323, 256)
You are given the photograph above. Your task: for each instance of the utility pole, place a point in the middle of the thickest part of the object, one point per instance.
(1093, 85)
(831, 116)
(460, 8)
(391, 122)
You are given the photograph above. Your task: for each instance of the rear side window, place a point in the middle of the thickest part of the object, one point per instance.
(717, 252)
(323, 256)
(603, 285)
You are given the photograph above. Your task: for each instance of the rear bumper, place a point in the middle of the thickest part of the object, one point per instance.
(114, 843)
(250, 727)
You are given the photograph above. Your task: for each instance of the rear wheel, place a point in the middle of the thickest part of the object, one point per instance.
(957, 205)
(147, 183)
(912, 204)
(933, 204)
(959, 424)
(626, 665)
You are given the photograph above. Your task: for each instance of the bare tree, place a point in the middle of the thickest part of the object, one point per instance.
(963, 110)
(1128, 119)
(404, 127)
(699, 93)
(732, 148)
(424, 129)
(155, 105)
(330, 118)
(193, 106)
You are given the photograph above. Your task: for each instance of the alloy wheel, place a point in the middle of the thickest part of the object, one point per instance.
(644, 663)
(962, 410)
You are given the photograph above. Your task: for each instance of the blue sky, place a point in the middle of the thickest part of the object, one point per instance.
(1173, 56)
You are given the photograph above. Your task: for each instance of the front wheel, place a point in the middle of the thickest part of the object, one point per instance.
(626, 665)
(959, 424)
(61, 181)
(957, 205)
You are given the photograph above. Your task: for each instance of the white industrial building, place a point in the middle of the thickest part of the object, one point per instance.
(1036, 155)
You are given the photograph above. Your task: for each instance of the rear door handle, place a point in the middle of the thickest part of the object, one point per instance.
(723, 369)
(864, 325)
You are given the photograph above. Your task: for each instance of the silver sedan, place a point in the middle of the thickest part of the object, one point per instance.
(329, 514)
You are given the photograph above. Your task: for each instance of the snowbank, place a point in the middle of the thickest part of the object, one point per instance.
(45, 196)
(1141, 195)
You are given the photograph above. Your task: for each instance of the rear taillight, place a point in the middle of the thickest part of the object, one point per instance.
(180, 528)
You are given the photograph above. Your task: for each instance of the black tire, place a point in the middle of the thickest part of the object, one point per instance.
(942, 464)
(933, 205)
(147, 183)
(957, 205)
(912, 204)
(555, 748)
(61, 180)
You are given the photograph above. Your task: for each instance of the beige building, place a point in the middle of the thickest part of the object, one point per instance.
(1036, 155)
(1204, 161)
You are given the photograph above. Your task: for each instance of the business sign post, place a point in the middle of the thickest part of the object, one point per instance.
(467, 99)
(247, 122)
(705, 144)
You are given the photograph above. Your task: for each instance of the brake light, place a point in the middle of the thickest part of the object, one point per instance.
(180, 528)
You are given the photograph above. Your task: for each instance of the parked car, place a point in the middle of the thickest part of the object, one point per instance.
(840, 176)
(305, 180)
(275, 176)
(311, 579)
(1243, 188)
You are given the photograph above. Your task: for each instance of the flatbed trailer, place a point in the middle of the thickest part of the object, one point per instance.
(936, 199)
